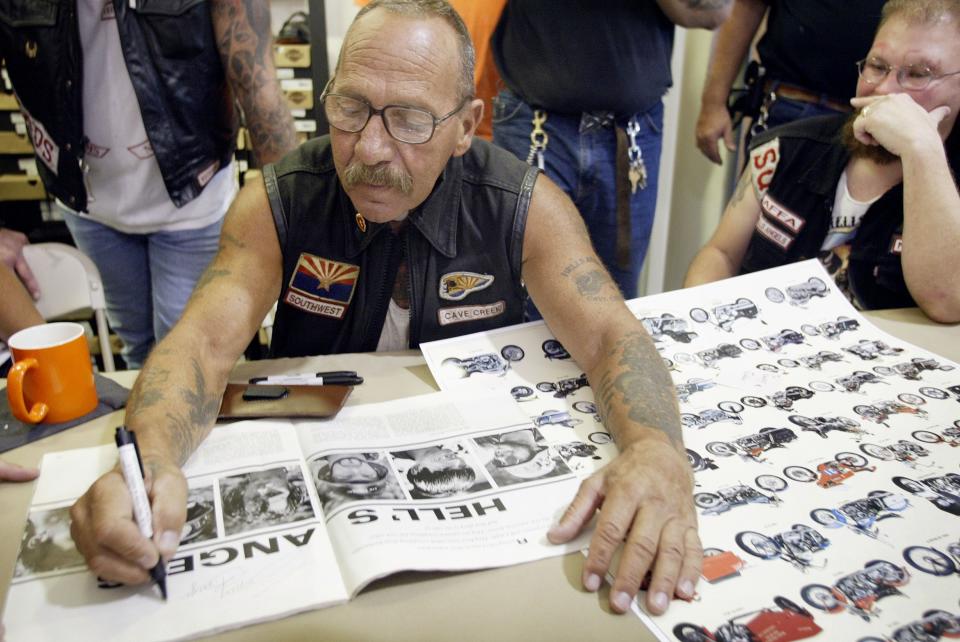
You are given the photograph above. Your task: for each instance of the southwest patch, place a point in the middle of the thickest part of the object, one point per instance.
(896, 246)
(777, 211)
(464, 313)
(455, 286)
(763, 164)
(321, 286)
(772, 233)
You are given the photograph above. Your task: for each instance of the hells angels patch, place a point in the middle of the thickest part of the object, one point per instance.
(455, 286)
(321, 286)
(763, 165)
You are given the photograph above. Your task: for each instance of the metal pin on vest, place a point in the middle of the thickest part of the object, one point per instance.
(361, 222)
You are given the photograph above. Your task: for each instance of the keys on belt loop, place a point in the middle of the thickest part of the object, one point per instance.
(538, 138)
(638, 169)
(760, 125)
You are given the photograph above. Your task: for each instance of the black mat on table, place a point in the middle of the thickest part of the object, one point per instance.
(14, 433)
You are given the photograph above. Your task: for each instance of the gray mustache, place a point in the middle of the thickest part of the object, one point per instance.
(379, 175)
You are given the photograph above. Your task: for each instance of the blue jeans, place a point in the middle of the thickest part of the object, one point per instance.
(584, 166)
(787, 110)
(147, 278)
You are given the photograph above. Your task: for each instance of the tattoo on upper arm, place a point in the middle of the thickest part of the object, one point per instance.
(592, 281)
(642, 386)
(244, 41)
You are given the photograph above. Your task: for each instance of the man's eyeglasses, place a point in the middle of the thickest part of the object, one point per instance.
(405, 124)
(911, 77)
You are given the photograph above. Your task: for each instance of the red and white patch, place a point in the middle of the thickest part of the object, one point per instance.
(763, 164)
(777, 211)
(142, 150)
(774, 234)
(464, 313)
(896, 247)
(46, 149)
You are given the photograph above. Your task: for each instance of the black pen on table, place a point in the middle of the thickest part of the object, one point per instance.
(132, 467)
(333, 378)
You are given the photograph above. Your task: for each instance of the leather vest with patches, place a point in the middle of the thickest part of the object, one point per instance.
(175, 68)
(795, 170)
(463, 247)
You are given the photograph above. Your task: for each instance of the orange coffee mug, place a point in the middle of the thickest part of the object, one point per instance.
(51, 379)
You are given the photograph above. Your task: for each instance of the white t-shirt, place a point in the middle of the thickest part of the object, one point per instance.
(396, 329)
(125, 188)
(847, 212)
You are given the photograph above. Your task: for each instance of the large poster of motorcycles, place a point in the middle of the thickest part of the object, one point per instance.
(824, 452)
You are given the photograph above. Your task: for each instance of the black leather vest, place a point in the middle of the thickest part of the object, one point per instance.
(463, 245)
(174, 65)
(796, 169)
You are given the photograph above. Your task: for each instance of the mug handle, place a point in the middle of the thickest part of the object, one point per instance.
(15, 394)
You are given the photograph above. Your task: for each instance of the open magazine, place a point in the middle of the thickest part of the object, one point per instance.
(826, 455)
(288, 516)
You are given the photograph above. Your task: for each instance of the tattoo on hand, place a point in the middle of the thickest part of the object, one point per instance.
(643, 386)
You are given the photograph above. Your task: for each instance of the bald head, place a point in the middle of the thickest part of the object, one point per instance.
(425, 10)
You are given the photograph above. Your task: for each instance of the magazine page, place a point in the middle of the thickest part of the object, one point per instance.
(439, 482)
(253, 548)
(824, 453)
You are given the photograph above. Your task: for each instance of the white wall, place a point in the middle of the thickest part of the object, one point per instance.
(699, 186)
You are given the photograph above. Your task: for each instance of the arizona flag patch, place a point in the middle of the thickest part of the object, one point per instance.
(455, 286)
(321, 286)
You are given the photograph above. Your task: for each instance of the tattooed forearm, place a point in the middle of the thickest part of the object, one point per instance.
(187, 428)
(226, 238)
(642, 386)
(243, 37)
(148, 391)
(203, 405)
(209, 276)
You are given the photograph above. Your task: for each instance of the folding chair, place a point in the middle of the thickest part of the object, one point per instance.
(70, 287)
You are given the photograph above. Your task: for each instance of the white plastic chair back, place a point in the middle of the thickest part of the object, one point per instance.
(70, 285)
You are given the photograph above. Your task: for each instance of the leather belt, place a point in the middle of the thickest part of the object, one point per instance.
(793, 92)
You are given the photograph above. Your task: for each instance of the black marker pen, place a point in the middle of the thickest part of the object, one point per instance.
(132, 469)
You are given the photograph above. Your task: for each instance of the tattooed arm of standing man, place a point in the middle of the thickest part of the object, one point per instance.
(175, 400)
(242, 31)
(644, 496)
(696, 14)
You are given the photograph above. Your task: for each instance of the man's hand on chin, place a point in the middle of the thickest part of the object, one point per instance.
(645, 503)
(898, 123)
